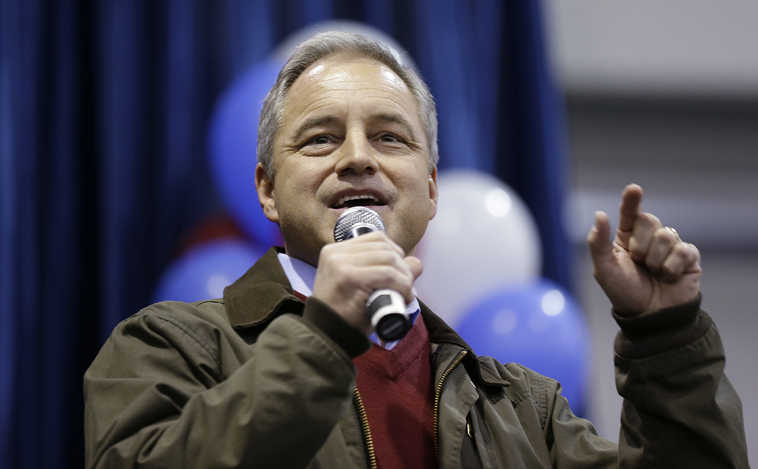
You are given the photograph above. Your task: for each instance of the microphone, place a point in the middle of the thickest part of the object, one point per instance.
(385, 307)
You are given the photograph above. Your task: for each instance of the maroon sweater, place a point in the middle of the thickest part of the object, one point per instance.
(397, 391)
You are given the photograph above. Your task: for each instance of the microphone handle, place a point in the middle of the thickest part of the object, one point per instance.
(385, 308)
(387, 311)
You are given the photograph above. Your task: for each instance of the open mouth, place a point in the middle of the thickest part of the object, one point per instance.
(357, 200)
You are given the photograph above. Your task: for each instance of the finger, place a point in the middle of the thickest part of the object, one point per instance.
(387, 258)
(373, 257)
(598, 239)
(642, 235)
(347, 247)
(684, 258)
(373, 278)
(369, 246)
(374, 237)
(629, 210)
(660, 247)
(694, 264)
(415, 266)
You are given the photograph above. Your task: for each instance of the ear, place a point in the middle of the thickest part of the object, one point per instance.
(264, 185)
(433, 192)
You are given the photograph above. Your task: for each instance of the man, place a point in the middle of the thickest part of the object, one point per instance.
(267, 376)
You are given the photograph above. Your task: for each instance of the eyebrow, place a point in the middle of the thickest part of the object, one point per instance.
(319, 121)
(395, 119)
(314, 122)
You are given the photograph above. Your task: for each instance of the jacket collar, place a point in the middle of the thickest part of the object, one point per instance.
(263, 291)
(257, 296)
(441, 333)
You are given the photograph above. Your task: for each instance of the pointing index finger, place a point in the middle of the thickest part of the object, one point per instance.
(631, 199)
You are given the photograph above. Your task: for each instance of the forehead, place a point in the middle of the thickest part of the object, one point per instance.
(348, 81)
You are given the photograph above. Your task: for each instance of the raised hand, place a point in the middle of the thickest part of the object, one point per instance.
(646, 267)
(348, 272)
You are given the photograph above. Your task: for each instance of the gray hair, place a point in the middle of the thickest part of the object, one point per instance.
(323, 45)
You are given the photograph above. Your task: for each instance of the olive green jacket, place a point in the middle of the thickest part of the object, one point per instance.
(262, 380)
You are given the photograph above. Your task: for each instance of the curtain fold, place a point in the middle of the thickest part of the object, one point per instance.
(104, 108)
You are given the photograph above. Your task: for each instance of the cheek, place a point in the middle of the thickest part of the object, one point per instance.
(417, 183)
(300, 180)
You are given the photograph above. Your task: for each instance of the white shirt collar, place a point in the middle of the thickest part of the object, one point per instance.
(300, 274)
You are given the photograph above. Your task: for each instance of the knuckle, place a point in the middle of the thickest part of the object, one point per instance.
(681, 251)
(670, 272)
(664, 236)
(341, 271)
(345, 274)
(692, 248)
(389, 276)
(636, 249)
(324, 260)
(413, 265)
(689, 254)
(387, 258)
(695, 251)
(642, 230)
(651, 219)
(326, 251)
(672, 262)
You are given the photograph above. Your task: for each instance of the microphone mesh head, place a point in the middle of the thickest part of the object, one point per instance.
(356, 217)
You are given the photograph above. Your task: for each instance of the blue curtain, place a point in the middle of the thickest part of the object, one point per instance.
(103, 112)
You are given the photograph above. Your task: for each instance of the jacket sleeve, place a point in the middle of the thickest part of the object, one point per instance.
(157, 394)
(679, 408)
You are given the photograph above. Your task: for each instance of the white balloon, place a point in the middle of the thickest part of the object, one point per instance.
(483, 237)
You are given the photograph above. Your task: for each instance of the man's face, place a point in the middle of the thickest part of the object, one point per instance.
(351, 135)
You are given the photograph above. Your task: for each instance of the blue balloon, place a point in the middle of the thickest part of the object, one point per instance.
(203, 272)
(538, 326)
(232, 141)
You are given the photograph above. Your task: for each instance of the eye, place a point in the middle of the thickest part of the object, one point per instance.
(390, 138)
(319, 145)
(319, 140)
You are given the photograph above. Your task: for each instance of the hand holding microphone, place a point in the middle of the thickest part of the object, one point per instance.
(360, 268)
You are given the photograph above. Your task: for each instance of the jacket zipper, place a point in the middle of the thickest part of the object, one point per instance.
(437, 395)
(366, 430)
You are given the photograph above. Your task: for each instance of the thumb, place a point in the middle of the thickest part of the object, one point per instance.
(414, 263)
(598, 240)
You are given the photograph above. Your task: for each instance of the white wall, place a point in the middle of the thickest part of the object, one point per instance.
(665, 94)
(695, 46)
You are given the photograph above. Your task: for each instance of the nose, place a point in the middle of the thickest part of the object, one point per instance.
(356, 156)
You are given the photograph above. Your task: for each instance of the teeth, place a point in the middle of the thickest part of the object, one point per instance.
(348, 198)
